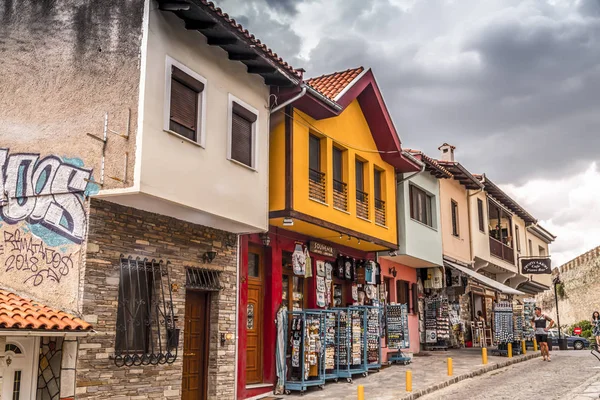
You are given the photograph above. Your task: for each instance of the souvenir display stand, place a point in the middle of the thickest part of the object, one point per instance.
(504, 332)
(351, 350)
(305, 351)
(330, 321)
(528, 313)
(518, 322)
(437, 323)
(397, 332)
(373, 337)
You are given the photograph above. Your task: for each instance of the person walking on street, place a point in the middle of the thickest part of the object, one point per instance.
(596, 327)
(539, 323)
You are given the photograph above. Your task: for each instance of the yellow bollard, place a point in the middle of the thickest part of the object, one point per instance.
(510, 350)
(409, 381)
(483, 355)
(535, 348)
(449, 366)
(523, 347)
(361, 392)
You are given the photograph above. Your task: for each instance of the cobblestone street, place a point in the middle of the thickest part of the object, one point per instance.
(568, 376)
(571, 376)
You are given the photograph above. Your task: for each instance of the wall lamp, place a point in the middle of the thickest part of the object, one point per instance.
(209, 256)
(393, 271)
(266, 240)
(393, 253)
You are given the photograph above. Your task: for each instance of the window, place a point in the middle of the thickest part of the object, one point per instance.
(253, 265)
(13, 347)
(362, 198)
(377, 193)
(402, 292)
(133, 312)
(421, 206)
(480, 215)
(146, 327)
(541, 251)
(360, 175)
(377, 184)
(242, 132)
(314, 157)
(340, 193)
(518, 238)
(185, 102)
(16, 394)
(455, 231)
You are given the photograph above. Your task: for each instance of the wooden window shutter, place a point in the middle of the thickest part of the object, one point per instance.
(184, 103)
(415, 298)
(241, 134)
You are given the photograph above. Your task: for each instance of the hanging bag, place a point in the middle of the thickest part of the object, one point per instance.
(299, 260)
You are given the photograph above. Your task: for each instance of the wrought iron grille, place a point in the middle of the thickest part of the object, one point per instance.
(203, 279)
(146, 332)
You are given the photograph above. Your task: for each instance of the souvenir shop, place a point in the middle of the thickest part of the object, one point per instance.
(327, 300)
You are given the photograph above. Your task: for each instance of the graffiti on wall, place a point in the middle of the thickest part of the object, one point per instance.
(45, 191)
(43, 221)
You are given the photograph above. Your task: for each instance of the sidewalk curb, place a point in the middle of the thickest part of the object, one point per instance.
(456, 379)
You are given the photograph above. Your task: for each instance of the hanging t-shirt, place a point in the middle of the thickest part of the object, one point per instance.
(348, 267)
(377, 273)
(308, 263)
(369, 273)
(339, 270)
(299, 260)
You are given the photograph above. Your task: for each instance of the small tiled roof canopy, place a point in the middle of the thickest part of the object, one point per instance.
(17, 312)
(331, 85)
(431, 165)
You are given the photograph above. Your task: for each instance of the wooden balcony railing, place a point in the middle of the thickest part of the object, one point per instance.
(340, 195)
(362, 204)
(316, 185)
(500, 250)
(380, 212)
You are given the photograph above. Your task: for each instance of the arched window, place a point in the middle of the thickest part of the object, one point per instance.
(13, 347)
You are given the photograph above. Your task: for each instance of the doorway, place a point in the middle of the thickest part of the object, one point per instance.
(195, 345)
(254, 317)
(20, 374)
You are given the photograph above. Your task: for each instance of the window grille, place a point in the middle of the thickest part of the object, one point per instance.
(203, 279)
(146, 332)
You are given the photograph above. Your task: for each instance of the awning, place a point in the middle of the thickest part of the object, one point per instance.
(533, 287)
(484, 279)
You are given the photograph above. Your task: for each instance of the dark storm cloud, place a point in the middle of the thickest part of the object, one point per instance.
(517, 91)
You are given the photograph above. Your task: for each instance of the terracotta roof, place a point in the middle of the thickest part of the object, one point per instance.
(431, 165)
(20, 313)
(331, 85)
(462, 175)
(270, 53)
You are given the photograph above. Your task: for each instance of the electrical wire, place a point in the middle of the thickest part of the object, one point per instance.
(311, 126)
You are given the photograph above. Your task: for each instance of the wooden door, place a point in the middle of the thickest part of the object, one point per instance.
(254, 318)
(195, 346)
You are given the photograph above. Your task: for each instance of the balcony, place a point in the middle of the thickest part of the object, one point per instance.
(340, 195)
(316, 185)
(502, 251)
(380, 212)
(362, 204)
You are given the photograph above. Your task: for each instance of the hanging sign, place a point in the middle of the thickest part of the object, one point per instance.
(536, 266)
(322, 249)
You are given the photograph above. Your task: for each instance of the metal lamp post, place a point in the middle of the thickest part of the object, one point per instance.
(562, 343)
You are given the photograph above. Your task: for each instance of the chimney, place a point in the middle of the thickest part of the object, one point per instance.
(447, 152)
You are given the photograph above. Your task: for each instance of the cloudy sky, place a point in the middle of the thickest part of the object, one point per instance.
(514, 84)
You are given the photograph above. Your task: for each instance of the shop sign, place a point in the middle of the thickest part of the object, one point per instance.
(536, 266)
(490, 293)
(322, 249)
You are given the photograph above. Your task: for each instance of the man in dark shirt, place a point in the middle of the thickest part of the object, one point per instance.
(539, 322)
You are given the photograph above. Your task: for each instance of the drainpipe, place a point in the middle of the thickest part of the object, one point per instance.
(289, 101)
(469, 216)
(413, 159)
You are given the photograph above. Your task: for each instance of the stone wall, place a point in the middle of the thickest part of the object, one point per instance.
(581, 280)
(117, 230)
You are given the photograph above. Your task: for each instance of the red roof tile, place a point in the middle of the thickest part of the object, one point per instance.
(332, 85)
(430, 162)
(19, 313)
(253, 40)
